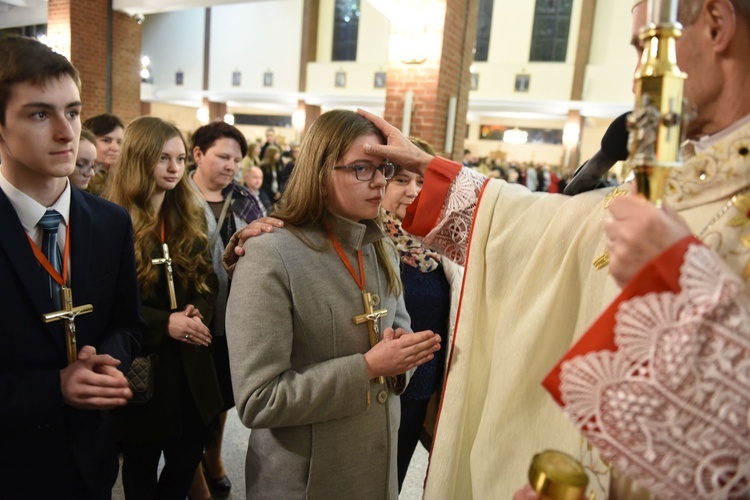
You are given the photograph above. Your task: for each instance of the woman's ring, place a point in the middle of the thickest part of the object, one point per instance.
(187, 337)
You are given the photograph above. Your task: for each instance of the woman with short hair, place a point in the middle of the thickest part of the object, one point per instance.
(108, 130)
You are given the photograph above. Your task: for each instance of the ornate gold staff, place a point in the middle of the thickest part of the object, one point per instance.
(656, 122)
(656, 126)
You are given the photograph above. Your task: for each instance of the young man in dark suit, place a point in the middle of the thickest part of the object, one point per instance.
(54, 393)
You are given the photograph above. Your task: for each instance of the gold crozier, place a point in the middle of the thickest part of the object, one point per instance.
(68, 316)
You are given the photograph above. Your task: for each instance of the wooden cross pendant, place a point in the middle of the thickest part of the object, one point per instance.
(371, 316)
(167, 261)
(68, 316)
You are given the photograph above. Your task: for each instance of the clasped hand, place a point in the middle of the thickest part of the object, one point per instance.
(399, 351)
(187, 326)
(93, 382)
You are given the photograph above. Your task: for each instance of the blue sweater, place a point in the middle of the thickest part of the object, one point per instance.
(427, 297)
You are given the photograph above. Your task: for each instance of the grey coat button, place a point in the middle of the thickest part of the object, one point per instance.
(382, 397)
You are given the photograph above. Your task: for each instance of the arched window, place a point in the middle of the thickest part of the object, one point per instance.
(345, 30)
(549, 40)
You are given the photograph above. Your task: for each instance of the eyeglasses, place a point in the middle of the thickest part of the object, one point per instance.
(366, 172)
(85, 167)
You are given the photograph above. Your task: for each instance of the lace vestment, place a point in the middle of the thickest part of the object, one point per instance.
(670, 407)
(529, 290)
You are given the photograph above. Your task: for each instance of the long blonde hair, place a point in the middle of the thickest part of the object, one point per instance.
(271, 157)
(131, 185)
(303, 203)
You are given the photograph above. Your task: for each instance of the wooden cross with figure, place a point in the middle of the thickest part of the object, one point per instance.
(371, 316)
(167, 261)
(68, 316)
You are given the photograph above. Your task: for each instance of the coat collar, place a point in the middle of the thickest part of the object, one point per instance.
(354, 234)
(18, 251)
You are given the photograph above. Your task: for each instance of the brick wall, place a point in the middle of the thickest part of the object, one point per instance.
(437, 79)
(126, 67)
(58, 25)
(458, 46)
(79, 28)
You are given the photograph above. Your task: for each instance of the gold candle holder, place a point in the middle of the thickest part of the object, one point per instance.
(558, 476)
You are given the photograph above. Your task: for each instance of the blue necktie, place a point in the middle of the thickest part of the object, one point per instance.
(49, 223)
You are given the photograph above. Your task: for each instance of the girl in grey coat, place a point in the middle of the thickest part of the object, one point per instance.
(321, 400)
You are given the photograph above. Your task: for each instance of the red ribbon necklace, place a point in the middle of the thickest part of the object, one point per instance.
(340, 251)
(42, 259)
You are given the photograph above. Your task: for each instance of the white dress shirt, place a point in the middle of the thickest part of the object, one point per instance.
(30, 212)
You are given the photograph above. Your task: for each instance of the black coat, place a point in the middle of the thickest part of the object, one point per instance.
(182, 368)
(268, 177)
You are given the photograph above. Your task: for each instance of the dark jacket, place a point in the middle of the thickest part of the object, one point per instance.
(45, 443)
(269, 171)
(182, 368)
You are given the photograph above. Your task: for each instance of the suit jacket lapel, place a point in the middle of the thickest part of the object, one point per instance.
(21, 260)
(81, 235)
(80, 245)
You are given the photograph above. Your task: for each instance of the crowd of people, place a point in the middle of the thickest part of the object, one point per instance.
(534, 175)
(182, 217)
(392, 296)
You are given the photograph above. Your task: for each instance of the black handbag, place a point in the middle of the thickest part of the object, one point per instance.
(141, 378)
